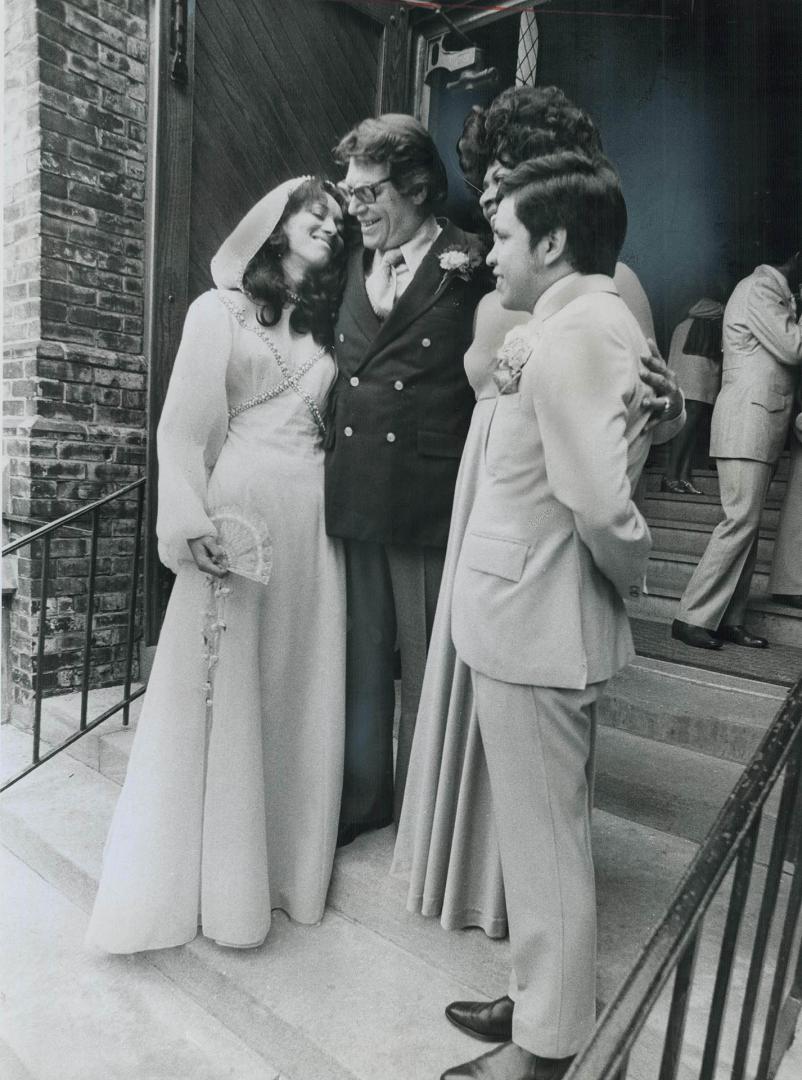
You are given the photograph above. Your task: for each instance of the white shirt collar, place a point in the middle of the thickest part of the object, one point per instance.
(417, 247)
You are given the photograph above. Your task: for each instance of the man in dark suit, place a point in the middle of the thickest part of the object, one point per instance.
(400, 413)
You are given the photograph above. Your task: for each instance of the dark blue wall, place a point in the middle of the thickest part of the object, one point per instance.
(701, 112)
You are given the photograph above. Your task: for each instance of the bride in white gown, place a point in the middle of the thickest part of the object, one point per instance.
(231, 800)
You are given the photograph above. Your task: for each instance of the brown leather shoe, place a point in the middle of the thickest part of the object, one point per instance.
(739, 635)
(697, 636)
(509, 1062)
(490, 1021)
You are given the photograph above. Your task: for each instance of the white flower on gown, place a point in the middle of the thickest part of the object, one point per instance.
(214, 831)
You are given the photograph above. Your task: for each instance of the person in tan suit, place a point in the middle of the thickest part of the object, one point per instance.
(762, 356)
(553, 543)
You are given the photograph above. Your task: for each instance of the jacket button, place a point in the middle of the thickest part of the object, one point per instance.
(426, 342)
(354, 380)
(348, 431)
(390, 436)
(342, 338)
(398, 384)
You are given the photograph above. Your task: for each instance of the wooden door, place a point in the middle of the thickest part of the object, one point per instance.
(243, 96)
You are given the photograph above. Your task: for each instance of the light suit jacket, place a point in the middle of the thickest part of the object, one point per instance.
(762, 358)
(554, 540)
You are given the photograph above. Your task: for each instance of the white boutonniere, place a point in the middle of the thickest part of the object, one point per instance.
(512, 357)
(460, 262)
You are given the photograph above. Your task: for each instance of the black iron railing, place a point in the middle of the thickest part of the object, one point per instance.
(774, 972)
(45, 536)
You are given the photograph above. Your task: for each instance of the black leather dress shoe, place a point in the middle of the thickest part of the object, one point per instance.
(509, 1062)
(739, 635)
(791, 599)
(490, 1021)
(697, 636)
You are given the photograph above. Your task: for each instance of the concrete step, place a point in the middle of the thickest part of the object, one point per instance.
(718, 715)
(692, 537)
(636, 776)
(698, 509)
(707, 479)
(666, 581)
(360, 995)
(104, 748)
(672, 570)
(64, 1014)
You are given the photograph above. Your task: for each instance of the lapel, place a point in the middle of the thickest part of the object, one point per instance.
(367, 321)
(425, 289)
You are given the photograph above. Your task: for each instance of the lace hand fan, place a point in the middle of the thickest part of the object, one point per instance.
(247, 543)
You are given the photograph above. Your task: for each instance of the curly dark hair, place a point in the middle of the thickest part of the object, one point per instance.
(524, 122)
(321, 291)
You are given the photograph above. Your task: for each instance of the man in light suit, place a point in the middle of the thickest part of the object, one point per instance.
(762, 356)
(553, 543)
(399, 415)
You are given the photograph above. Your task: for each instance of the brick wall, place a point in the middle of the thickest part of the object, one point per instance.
(74, 372)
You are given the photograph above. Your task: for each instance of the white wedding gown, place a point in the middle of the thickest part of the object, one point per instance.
(212, 831)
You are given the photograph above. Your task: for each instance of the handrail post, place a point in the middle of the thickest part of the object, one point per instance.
(729, 941)
(680, 998)
(766, 915)
(129, 649)
(40, 648)
(792, 910)
(90, 616)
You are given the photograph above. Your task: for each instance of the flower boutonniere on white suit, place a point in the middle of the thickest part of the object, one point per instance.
(512, 356)
(460, 261)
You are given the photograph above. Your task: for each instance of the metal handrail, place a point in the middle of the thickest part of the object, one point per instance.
(51, 526)
(673, 945)
(45, 534)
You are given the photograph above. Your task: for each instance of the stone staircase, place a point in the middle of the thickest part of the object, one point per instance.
(361, 996)
(681, 526)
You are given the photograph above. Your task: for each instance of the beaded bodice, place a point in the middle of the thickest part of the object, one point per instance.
(286, 375)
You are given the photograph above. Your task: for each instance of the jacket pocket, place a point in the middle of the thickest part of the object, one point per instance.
(494, 555)
(770, 400)
(439, 444)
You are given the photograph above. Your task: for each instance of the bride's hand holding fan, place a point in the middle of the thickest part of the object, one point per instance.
(209, 555)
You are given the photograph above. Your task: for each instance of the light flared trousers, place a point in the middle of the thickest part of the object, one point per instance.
(539, 745)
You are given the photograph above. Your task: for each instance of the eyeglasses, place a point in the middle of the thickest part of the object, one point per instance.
(364, 193)
(472, 187)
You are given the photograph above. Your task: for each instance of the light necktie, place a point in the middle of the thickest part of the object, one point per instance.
(382, 284)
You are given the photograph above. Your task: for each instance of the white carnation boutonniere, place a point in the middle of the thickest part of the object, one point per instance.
(512, 356)
(461, 262)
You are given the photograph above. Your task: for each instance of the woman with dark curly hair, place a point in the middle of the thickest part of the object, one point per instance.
(446, 845)
(230, 805)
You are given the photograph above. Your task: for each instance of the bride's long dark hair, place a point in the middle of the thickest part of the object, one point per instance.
(321, 291)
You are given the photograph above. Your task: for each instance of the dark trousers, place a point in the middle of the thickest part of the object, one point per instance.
(392, 595)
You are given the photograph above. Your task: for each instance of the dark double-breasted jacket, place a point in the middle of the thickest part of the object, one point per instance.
(400, 408)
